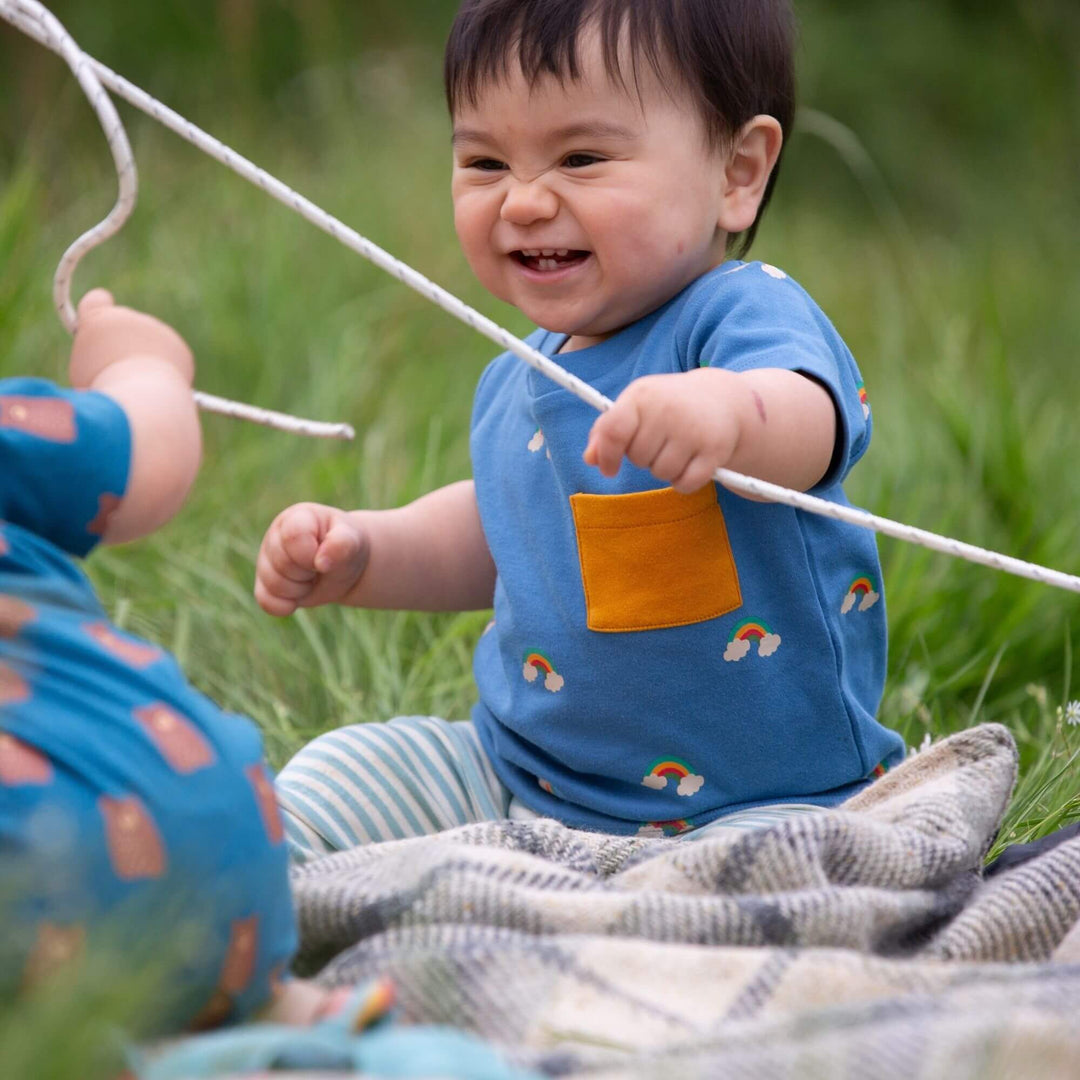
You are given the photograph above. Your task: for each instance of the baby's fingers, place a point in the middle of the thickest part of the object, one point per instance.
(697, 474)
(611, 435)
(293, 541)
(339, 551)
(95, 300)
(275, 594)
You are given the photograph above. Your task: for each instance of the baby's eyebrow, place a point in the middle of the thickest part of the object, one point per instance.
(585, 129)
(592, 129)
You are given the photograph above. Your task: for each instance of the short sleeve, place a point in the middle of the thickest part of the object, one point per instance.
(65, 456)
(755, 316)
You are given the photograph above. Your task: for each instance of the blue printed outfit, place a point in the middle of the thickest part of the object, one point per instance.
(658, 660)
(658, 664)
(125, 795)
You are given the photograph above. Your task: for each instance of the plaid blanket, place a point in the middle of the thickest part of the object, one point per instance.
(861, 941)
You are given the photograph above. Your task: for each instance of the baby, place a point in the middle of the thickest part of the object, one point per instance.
(664, 655)
(128, 801)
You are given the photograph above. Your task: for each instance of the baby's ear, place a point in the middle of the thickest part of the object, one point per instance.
(750, 162)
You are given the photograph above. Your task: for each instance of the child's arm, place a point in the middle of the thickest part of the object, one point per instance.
(771, 423)
(430, 555)
(146, 368)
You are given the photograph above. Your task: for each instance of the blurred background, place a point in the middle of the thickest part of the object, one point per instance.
(929, 202)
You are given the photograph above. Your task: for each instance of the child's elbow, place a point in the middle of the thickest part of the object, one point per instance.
(165, 457)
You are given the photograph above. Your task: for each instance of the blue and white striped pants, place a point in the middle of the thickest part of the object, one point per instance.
(414, 776)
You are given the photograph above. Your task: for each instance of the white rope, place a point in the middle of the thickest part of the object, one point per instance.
(745, 485)
(39, 23)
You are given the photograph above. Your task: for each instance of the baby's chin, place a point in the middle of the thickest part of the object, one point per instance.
(581, 336)
(590, 331)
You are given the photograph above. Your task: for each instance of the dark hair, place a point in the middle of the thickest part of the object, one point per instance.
(736, 57)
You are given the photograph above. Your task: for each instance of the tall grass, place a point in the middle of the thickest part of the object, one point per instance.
(938, 234)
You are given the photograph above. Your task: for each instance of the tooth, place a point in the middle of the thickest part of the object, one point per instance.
(548, 264)
(548, 251)
(563, 252)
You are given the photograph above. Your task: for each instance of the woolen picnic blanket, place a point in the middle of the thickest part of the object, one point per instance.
(857, 942)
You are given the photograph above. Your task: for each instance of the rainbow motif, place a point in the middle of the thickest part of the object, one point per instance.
(748, 631)
(862, 393)
(752, 628)
(879, 770)
(545, 785)
(671, 828)
(539, 661)
(862, 592)
(666, 767)
(862, 585)
(537, 664)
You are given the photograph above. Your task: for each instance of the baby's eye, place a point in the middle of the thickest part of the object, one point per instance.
(487, 165)
(581, 161)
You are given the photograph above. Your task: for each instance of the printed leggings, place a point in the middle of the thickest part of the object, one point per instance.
(414, 776)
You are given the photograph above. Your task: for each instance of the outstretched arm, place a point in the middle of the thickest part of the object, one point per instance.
(771, 423)
(146, 368)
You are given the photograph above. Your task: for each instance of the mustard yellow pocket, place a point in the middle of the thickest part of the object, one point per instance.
(653, 559)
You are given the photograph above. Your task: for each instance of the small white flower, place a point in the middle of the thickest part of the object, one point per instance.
(927, 741)
(1072, 713)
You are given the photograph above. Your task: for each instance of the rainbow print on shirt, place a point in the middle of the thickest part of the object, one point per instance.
(745, 634)
(862, 591)
(863, 401)
(536, 663)
(687, 781)
(664, 828)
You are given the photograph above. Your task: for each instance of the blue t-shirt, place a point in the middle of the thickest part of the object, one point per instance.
(660, 659)
(120, 784)
(64, 461)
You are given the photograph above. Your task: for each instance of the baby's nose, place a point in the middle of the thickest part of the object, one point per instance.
(527, 201)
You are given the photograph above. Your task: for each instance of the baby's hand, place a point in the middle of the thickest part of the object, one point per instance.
(681, 427)
(310, 555)
(108, 334)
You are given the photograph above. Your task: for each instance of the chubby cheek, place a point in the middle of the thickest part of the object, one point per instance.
(473, 225)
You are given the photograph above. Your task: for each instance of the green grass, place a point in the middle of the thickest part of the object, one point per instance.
(939, 238)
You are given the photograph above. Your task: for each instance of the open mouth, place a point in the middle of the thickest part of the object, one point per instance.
(547, 259)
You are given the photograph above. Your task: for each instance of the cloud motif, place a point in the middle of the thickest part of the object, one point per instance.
(768, 644)
(690, 785)
(865, 411)
(657, 783)
(736, 649)
(866, 601)
(536, 441)
(553, 681)
(650, 831)
(529, 672)
(773, 272)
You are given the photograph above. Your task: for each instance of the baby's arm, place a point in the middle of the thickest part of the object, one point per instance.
(430, 555)
(146, 368)
(771, 423)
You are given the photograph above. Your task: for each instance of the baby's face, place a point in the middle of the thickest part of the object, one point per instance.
(585, 205)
